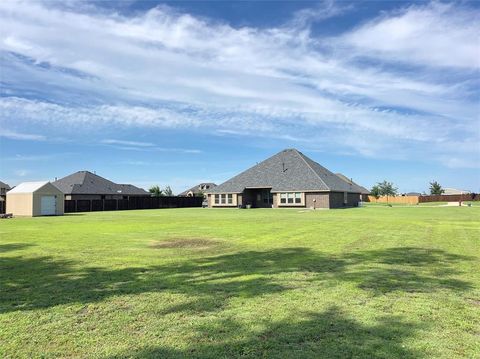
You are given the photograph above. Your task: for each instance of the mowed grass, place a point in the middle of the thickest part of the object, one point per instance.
(374, 282)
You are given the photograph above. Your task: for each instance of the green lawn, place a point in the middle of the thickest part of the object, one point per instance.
(374, 282)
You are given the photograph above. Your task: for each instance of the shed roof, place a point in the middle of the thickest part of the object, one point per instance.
(288, 170)
(28, 187)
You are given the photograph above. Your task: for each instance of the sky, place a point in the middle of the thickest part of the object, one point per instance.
(182, 92)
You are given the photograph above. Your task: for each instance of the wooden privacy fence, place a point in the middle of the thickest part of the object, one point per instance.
(450, 198)
(424, 199)
(91, 205)
(397, 200)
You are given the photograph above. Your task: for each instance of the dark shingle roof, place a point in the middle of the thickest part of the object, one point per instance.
(349, 180)
(288, 170)
(85, 182)
(3, 185)
(198, 188)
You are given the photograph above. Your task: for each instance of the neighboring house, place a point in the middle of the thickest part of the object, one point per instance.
(4, 188)
(195, 190)
(410, 194)
(88, 185)
(450, 191)
(35, 199)
(287, 179)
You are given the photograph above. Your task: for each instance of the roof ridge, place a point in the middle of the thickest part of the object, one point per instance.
(301, 155)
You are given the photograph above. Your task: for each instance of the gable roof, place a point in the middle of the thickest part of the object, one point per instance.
(288, 170)
(85, 182)
(198, 188)
(28, 187)
(349, 180)
(5, 186)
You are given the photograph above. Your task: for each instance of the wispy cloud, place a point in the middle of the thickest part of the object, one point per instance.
(127, 143)
(145, 146)
(399, 86)
(20, 136)
(436, 34)
(21, 172)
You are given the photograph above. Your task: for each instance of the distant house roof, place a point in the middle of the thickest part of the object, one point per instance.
(349, 180)
(5, 186)
(288, 170)
(413, 194)
(201, 187)
(28, 187)
(85, 182)
(455, 191)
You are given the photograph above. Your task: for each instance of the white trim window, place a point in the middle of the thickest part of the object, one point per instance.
(291, 199)
(345, 197)
(224, 199)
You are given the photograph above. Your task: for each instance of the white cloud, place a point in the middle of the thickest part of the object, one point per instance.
(162, 69)
(127, 143)
(20, 136)
(21, 172)
(436, 34)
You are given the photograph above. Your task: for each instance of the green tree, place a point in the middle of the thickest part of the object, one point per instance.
(199, 194)
(168, 191)
(375, 192)
(387, 189)
(436, 188)
(156, 191)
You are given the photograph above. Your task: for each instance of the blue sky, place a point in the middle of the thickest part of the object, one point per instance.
(182, 92)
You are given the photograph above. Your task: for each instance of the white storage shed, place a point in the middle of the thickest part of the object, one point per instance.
(35, 199)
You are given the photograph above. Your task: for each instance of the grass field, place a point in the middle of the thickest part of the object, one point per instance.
(374, 282)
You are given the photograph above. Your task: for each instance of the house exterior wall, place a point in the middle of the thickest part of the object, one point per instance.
(20, 204)
(322, 200)
(337, 200)
(309, 200)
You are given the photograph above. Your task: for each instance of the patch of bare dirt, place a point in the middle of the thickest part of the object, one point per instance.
(185, 243)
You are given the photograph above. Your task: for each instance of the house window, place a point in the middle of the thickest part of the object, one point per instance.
(289, 197)
(225, 199)
(298, 198)
(267, 196)
(292, 198)
(345, 197)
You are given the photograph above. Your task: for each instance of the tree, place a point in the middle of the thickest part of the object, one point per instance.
(387, 189)
(199, 194)
(168, 191)
(156, 191)
(375, 192)
(435, 188)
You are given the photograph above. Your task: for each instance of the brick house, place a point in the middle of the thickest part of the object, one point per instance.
(287, 179)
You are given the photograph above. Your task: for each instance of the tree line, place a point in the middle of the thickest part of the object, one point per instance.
(156, 191)
(387, 189)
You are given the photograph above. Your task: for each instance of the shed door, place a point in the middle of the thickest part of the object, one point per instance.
(48, 205)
